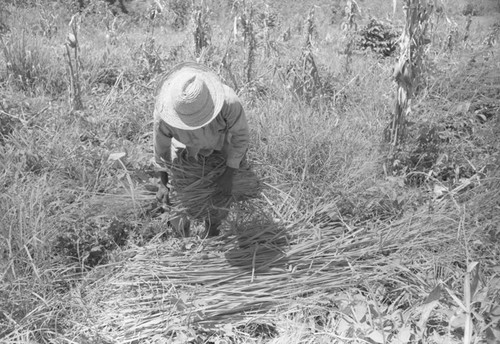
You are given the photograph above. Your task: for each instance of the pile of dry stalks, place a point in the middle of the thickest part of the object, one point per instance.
(195, 189)
(168, 289)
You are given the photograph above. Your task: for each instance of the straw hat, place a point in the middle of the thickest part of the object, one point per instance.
(189, 97)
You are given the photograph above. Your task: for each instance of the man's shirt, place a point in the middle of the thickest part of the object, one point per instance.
(228, 132)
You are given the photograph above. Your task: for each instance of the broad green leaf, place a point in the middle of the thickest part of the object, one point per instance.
(434, 295)
(359, 311)
(467, 292)
(404, 335)
(492, 335)
(471, 266)
(374, 312)
(439, 190)
(494, 313)
(228, 330)
(376, 336)
(457, 300)
(458, 321)
(343, 326)
(474, 273)
(426, 312)
(178, 303)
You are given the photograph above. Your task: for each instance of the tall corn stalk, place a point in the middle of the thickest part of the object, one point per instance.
(226, 63)
(468, 23)
(201, 32)
(435, 20)
(310, 28)
(74, 65)
(312, 82)
(452, 36)
(250, 40)
(269, 22)
(409, 69)
(301, 76)
(349, 28)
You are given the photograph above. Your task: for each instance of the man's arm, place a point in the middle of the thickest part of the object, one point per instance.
(162, 142)
(238, 134)
(238, 130)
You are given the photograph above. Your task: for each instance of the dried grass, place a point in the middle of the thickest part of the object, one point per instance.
(196, 191)
(267, 268)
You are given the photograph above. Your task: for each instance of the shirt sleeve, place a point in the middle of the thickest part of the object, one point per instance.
(162, 141)
(237, 127)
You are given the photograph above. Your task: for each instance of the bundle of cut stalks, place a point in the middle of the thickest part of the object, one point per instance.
(195, 189)
(267, 267)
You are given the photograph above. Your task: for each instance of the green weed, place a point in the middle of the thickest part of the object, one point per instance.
(24, 61)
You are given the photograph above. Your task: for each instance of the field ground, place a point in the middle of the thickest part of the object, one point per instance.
(339, 247)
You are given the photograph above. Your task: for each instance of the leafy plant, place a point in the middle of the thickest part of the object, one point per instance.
(89, 243)
(379, 37)
(349, 28)
(181, 11)
(24, 60)
(302, 77)
(202, 30)
(150, 58)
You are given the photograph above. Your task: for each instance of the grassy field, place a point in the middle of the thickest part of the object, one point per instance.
(343, 244)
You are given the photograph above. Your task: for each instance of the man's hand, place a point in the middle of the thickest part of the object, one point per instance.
(162, 194)
(225, 181)
(163, 191)
(164, 178)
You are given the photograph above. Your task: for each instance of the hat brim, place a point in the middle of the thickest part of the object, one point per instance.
(164, 108)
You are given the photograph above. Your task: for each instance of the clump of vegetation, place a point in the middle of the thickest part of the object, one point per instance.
(150, 58)
(89, 245)
(470, 9)
(349, 26)
(379, 37)
(302, 76)
(24, 60)
(180, 10)
(201, 31)
(409, 71)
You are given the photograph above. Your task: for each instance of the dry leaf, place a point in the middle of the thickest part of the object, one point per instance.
(116, 156)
